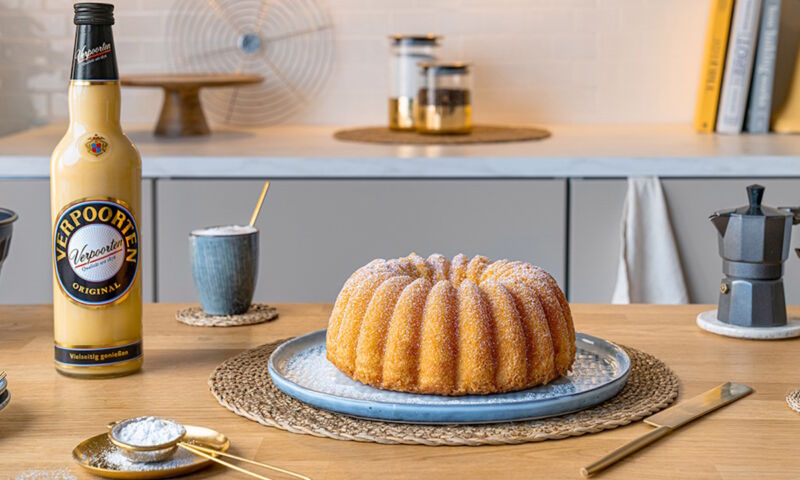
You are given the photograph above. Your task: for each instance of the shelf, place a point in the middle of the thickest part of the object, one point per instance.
(588, 151)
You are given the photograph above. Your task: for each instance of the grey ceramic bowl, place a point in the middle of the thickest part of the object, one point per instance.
(7, 219)
(225, 269)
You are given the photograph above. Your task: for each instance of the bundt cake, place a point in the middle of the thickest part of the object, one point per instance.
(455, 327)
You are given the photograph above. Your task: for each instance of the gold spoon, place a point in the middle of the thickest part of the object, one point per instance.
(210, 452)
(260, 202)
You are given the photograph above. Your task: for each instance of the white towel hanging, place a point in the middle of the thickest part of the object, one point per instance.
(649, 268)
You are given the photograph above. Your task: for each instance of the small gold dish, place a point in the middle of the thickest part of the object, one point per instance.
(89, 454)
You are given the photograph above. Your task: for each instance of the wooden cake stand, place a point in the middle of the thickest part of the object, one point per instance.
(182, 114)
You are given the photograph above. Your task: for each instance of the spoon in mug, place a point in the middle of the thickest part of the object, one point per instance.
(260, 202)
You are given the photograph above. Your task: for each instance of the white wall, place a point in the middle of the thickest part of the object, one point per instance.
(547, 61)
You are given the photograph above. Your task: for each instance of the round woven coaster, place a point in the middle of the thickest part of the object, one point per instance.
(793, 400)
(242, 385)
(258, 313)
(479, 134)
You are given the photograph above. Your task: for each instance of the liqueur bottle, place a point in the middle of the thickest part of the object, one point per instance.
(95, 195)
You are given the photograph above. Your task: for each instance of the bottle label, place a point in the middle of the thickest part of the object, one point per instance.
(95, 357)
(96, 251)
(94, 58)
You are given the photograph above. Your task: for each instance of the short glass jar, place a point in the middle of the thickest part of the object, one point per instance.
(407, 52)
(444, 102)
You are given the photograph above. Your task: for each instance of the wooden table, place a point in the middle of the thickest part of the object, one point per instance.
(758, 437)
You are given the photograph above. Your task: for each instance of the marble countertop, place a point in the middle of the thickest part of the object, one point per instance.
(588, 151)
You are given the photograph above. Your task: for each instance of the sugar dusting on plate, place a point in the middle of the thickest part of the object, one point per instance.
(112, 458)
(311, 369)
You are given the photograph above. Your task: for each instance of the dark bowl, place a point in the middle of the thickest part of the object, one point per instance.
(7, 219)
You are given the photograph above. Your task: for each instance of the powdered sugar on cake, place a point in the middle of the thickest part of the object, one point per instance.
(509, 327)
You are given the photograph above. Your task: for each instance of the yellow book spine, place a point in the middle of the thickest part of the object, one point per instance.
(787, 118)
(719, 23)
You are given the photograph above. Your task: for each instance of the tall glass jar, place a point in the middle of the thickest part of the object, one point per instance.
(407, 51)
(444, 102)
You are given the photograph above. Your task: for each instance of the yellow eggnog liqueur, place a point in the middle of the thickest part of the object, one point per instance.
(95, 194)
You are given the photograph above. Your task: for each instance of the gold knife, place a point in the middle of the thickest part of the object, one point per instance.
(671, 419)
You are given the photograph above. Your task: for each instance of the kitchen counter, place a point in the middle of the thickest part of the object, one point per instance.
(589, 151)
(49, 414)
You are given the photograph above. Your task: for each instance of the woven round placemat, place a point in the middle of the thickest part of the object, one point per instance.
(242, 385)
(793, 400)
(258, 313)
(479, 134)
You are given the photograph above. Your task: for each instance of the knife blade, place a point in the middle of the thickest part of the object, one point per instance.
(684, 412)
(671, 419)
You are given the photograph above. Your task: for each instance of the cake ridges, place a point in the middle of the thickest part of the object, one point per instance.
(466, 326)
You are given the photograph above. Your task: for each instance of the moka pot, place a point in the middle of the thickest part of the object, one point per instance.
(754, 242)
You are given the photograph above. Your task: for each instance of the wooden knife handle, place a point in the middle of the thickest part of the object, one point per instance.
(625, 450)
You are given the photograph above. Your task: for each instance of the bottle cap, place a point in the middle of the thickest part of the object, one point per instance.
(94, 14)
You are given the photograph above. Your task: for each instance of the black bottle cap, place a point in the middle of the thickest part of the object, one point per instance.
(94, 14)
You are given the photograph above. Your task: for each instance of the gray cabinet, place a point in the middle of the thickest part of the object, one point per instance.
(27, 272)
(596, 209)
(692, 201)
(314, 234)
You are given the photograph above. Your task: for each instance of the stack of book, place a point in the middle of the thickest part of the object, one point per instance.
(738, 70)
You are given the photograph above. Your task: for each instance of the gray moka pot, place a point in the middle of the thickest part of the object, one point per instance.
(753, 243)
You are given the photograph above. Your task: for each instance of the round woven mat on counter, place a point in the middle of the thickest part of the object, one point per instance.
(793, 400)
(243, 385)
(196, 317)
(480, 134)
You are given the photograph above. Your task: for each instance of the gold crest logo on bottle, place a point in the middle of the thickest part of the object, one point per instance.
(97, 145)
(96, 251)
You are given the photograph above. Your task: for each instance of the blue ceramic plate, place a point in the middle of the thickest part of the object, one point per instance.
(299, 369)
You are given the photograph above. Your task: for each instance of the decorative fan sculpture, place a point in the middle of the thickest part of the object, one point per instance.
(287, 42)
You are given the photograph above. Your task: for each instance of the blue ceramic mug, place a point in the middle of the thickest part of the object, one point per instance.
(225, 267)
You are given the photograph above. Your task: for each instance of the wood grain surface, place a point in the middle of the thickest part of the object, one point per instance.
(756, 437)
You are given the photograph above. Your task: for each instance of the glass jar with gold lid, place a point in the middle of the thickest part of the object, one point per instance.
(407, 52)
(444, 101)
